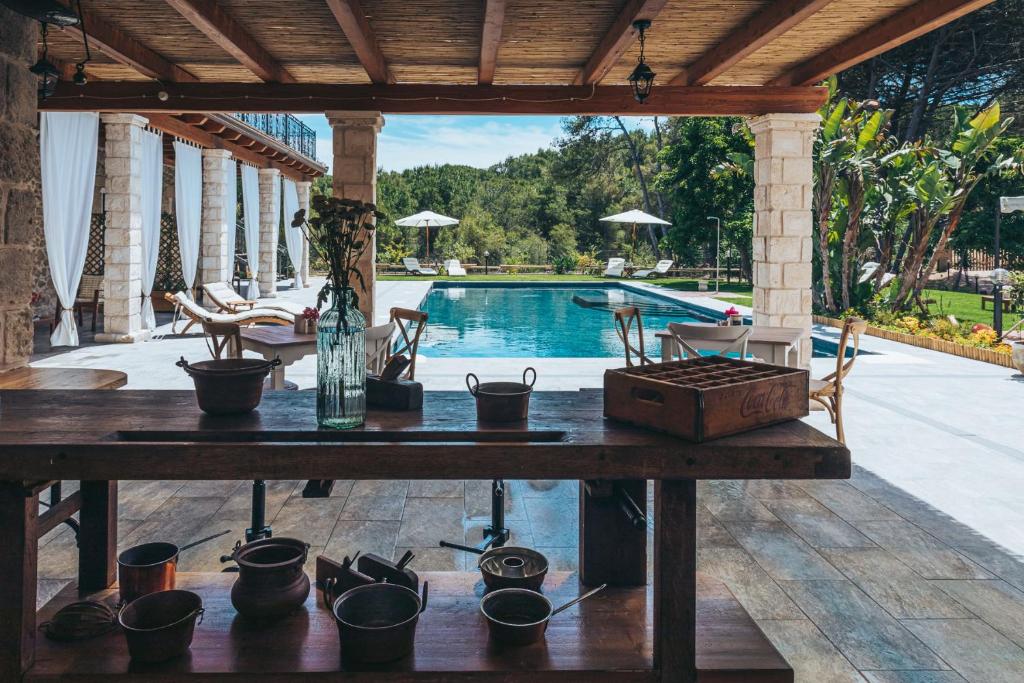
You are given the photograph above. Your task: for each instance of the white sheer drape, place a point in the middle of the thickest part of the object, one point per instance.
(152, 198)
(188, 207)
(231, 215)
(67, 149)
(251, 217)
(292, 236)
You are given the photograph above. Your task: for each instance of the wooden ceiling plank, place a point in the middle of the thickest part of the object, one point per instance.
(432, 99)
(910, 23)
(749, 37)
(220, 27)
(353, 22)
(490, 40)
(619, 38)
(118, 46)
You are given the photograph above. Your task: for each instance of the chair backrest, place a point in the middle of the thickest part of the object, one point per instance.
(615, 265)
(852, 329)
(663, 266)
(181, 300)
(404, 319)
(725, 338)
(223, 339)
(625, 318)
(411, 263)
(378, 342)
(90, 287)
(221, 293)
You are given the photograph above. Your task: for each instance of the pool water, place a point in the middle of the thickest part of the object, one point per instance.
(541, 321)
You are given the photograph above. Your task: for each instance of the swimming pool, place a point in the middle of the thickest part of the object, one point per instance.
(540, 320)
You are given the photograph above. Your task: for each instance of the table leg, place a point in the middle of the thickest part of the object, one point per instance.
(675, 580)
(667, 348)
(97, 538)
(18, 513)
(277, 377)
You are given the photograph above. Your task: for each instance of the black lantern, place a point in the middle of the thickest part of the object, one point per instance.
(642, 78)
(47, 73)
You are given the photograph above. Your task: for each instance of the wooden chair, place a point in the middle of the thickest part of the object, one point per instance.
(726, 339)
(378, 342)
(224, 338)
(828, 391)
(624, 319)
(404, 318)
(88, 298)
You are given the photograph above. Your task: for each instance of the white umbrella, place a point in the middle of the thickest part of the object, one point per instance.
(425, 219)
(636, 216)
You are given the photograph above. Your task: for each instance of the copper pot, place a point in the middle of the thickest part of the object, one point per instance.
(377, 622)
(229, 386)
(271, 581)
(150, 567)
(502, 401)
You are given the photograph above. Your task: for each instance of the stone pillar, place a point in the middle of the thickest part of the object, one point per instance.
(270, 227)
(214, 259)
(122, 239)
(783, 225)
(22, 248)
(302, 189)
(355, 177)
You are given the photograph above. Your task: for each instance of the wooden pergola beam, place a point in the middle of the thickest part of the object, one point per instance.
(353, 22)
(902, 27)
(220, 27)
(617, 40)
(490, 40)
(112, 42)
(133, 96)
(750, 36)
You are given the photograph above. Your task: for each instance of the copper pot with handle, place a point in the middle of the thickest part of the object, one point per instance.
(151, 567)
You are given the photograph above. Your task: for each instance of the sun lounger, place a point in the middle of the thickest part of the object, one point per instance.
(454, 268)
(197, 314)
(412, 267)
(224, 297)
(661, 269)
(615, 266)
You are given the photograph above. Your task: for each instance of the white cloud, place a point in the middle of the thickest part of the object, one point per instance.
(449, 140)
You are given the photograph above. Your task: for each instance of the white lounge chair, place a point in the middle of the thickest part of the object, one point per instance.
(615, 266)
(412, 267)
(227, 300)
(197, 314)
(661, 269)
(454, 268)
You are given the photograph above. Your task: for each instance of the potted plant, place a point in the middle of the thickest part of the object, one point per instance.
(305, 323)
(339, 234)
(733, 316)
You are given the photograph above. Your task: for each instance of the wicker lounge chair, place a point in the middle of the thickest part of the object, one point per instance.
(183, 306)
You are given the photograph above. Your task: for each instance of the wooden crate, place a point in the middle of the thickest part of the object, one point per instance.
(705, 398)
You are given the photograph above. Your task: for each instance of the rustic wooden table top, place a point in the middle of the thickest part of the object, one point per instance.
(62, 378)
(163, 435)
(276, 335)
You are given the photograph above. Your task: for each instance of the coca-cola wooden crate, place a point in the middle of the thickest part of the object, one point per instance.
(705, 398)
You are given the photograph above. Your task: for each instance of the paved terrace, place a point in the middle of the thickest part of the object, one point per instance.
(911, 572)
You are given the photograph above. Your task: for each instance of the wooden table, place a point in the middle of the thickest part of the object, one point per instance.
(281, 341)
(679, 629)
(62, 378)
(776, 345)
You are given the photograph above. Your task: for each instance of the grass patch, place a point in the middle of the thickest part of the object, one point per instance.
(966, 306)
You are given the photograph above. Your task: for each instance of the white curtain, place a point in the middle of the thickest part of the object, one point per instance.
(67, 149)
(231, 215)
(188, 207)
(292, 236)
(251, 216)
(152, 198)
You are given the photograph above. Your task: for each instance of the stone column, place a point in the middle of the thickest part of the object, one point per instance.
(22, 248)
(302, 189)
(270, 227)
(783, 246)
(355, 177)
(122, 239)
(214, 259)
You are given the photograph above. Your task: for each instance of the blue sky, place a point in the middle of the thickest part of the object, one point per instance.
(480, 141)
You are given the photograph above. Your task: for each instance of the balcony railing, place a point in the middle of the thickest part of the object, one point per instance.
(286, 128)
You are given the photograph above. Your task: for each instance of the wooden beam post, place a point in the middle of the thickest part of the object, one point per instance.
(490, 40)
(675, 580)
(619, 38)
(353, 22)
(18, 511)
(97, 537)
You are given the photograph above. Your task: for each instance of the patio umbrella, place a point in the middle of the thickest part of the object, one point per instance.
(636, 217)
(425, 219)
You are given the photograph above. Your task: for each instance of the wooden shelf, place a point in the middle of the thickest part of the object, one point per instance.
(607, 638)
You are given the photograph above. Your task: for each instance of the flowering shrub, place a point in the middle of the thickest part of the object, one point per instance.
(978, 335)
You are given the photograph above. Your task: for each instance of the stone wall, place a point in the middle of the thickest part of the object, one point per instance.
(21, 225)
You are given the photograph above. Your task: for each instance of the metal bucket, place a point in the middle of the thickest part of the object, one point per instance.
(159, 626)
(377, 622)
(229, 386)
(502, 401)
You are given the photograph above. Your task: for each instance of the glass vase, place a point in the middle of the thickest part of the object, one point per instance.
(341, 365)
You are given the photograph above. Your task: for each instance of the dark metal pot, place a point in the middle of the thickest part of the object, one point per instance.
(150, 567)
(271, 582)
(159, 626)
(502, 401)
(377, 622)
(509, 566)
(229, 386)
(516, 616)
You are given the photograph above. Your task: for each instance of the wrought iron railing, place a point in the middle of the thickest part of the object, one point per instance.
(285, 128)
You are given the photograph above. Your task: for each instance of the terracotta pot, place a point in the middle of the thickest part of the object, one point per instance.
(1018, 356)
(271, 581)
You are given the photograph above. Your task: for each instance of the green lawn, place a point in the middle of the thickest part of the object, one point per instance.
(965, 306)
(743, 298)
